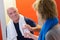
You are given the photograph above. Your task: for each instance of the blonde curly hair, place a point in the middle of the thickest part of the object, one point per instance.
(47, 8)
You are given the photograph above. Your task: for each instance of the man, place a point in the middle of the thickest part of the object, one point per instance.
(14, 27)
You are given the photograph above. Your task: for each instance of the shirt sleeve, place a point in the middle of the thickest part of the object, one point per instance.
(30, 22)
(49, 36)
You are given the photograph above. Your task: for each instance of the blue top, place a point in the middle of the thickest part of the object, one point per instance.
(49, 24)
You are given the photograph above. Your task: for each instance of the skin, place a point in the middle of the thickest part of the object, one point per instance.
(13, 14)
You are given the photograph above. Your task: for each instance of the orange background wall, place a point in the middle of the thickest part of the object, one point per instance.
(58, 6)
(25, 8)
(0, 32)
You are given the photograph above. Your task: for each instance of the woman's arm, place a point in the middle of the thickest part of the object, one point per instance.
(37, 28)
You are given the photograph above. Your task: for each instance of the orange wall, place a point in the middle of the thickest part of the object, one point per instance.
(25, 8)
(58, 6)
(0, 32)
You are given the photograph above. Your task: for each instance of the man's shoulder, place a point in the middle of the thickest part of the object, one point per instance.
(29, 21)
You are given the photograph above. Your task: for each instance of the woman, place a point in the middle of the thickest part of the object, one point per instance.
(48, 11)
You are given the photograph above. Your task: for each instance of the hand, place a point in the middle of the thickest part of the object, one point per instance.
(29, 35)
(27, 27)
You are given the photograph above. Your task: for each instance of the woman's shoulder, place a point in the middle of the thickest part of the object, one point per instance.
(54, 33)
(55, 29)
